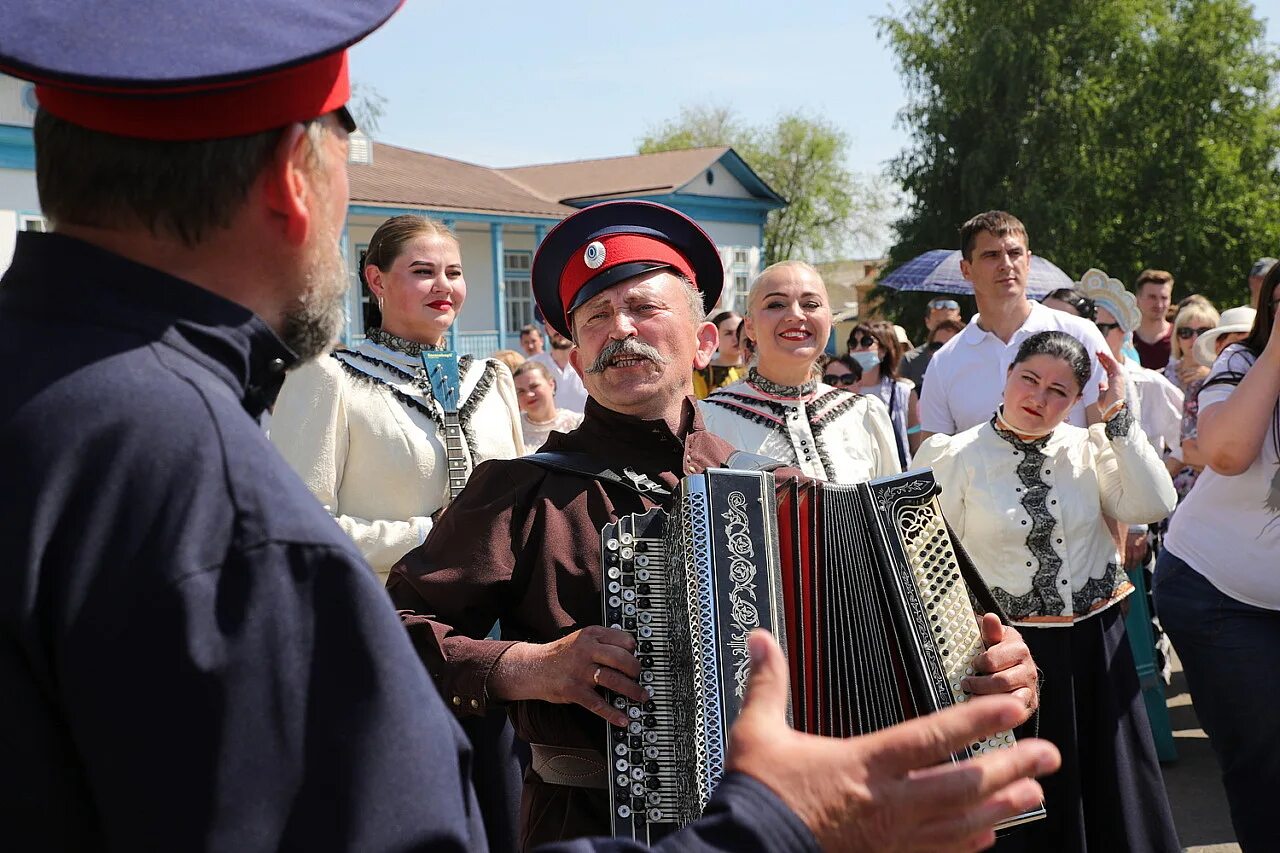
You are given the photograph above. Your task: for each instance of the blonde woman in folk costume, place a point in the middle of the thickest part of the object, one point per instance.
(782, 409)
(362, 427)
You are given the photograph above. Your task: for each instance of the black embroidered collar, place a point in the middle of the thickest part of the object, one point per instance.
(383, 338)
(776, 389)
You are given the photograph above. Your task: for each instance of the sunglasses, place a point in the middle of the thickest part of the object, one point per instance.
(1107, 328)
(846, 379)
(863, 341)
(1186, 333)
(945, 305)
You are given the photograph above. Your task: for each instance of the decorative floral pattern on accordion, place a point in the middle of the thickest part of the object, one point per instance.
(742, 572)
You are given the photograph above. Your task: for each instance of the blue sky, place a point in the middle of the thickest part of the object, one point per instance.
(507, 83)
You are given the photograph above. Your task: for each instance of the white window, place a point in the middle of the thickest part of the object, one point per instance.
(33, 223)
(516, 267)
(740, 269)
(740, 257)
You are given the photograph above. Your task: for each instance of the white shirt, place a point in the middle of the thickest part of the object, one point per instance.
(376, 462)
(1030, 514)
(535, 434)
(828, 433)
(1228, 528)
(966, 377)
(1157, 404)
(571, 394)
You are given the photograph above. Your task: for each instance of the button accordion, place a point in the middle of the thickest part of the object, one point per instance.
(863, 586)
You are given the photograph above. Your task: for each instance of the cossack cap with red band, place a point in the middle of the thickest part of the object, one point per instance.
(186, 70)
(607, 243)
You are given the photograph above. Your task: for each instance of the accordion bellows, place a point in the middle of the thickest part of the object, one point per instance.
(863, 586)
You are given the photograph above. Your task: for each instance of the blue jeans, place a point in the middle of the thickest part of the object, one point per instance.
(1230, 653)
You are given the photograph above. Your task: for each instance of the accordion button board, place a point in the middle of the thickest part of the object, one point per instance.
(863, 586)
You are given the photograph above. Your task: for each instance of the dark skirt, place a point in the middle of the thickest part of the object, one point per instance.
(1109, 794)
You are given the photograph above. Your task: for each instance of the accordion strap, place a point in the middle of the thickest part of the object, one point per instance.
(586, 465)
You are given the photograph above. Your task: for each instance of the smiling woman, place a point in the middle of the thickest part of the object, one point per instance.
(781, 409)
(361, 426)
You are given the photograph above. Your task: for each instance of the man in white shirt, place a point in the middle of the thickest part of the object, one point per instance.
(966, 377)
(571, 394)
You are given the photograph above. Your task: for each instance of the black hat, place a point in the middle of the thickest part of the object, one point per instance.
(186, 69)
(607, 243)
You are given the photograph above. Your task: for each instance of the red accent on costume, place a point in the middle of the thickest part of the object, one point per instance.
(619, 249)
(205, 111)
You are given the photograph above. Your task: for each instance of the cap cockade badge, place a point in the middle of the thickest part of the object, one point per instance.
(593, 257)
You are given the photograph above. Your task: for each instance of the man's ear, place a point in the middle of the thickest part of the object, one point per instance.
(575, 360)
(288, 188)
(965, 266)
(708, 340)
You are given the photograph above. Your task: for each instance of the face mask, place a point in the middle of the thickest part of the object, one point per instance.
(866, 360)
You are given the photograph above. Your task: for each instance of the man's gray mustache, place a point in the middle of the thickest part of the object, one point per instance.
(627, 346)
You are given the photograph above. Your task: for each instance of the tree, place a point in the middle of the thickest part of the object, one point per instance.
(367, 106)
(1125, 133)
(802, 158)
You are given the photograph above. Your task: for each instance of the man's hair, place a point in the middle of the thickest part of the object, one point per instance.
(176, 189)
(530, 329)
(389, 240)
(995, 222)
(1160, 277)
(955, 327)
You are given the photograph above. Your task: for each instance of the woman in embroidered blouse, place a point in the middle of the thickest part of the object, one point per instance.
(361, 427)
(781, 409)
(1026, 494)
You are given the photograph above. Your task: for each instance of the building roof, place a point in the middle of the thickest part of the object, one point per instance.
(400, 176)
(659, 173)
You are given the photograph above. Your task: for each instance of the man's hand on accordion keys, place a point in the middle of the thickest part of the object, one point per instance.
(894, 790)
(571, 670)
(1006, 666)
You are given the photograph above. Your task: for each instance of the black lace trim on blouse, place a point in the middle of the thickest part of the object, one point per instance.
(383, 338)
(777, 389)
(818, 425)
(1120, 424)
(1044, 599)
(412, 402)
(1097, 590)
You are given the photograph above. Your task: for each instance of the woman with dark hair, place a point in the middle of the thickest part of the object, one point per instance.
(1026, 494)
(874, 346)
(726, 367)
(1070, 301)
(1217, 582)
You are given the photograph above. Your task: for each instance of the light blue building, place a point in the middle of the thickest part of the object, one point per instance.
(499, 215)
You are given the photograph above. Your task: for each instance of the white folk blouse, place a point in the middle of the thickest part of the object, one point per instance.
(1030, 513)
(826, 432)
(365, 438)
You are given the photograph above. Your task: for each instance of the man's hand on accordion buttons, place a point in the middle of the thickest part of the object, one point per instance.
(895, 790)
(572, 669)
(1005, 667)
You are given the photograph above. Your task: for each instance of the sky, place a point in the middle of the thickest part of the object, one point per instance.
(505, 83)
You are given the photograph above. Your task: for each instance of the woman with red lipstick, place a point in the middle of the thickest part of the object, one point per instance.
(1027, 493)
(362, 428)
(782, 409)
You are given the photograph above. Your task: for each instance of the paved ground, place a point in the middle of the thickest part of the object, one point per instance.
(1195, 791)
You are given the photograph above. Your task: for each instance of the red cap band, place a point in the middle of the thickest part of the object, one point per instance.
(296, 94)
(617, 249)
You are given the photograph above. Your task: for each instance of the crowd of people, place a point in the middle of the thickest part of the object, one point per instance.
(223, 637)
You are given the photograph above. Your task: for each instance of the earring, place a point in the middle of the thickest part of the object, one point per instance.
(378, 297)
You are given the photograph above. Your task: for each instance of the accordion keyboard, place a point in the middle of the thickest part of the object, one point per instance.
(643, 756)
(945, 596)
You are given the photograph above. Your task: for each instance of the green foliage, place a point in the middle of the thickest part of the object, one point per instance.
(1125, 133)
(802, 158)
(367, 106)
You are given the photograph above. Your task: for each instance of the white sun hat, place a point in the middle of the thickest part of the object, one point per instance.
(1233, 320)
